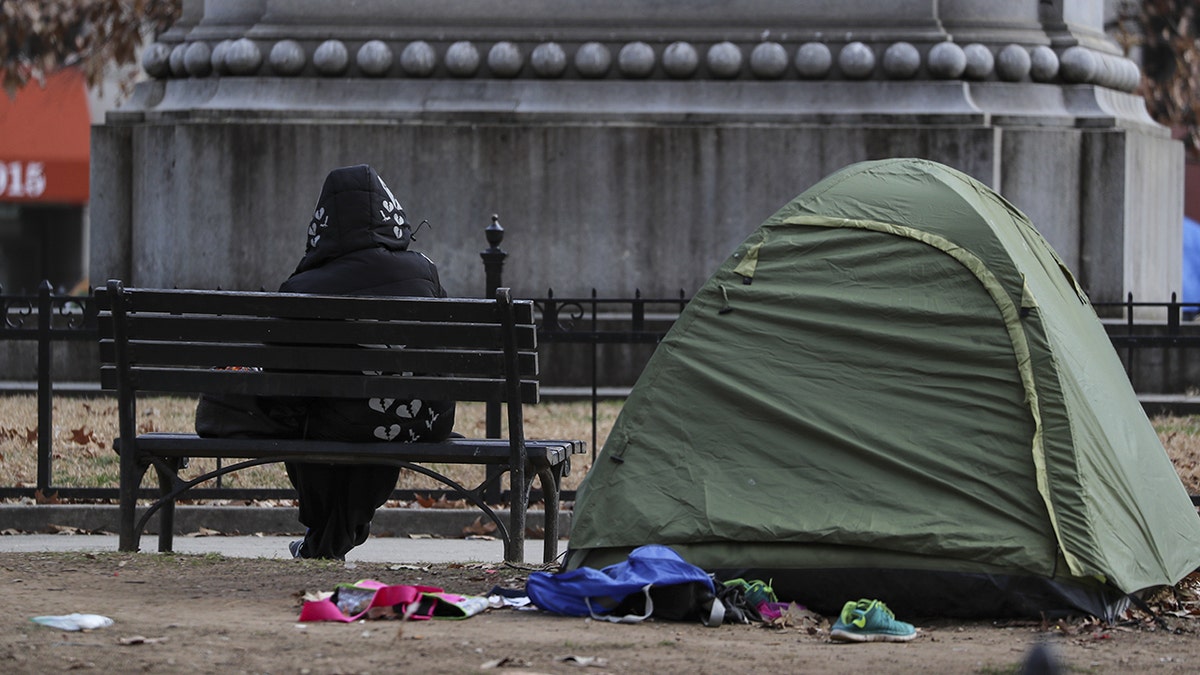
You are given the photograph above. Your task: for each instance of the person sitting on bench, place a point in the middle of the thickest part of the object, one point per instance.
(357, 244)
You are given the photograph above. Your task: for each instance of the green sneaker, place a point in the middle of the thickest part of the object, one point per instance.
(756, 592)
(870, 621)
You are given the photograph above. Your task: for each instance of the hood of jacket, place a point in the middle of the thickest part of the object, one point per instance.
(355, 211)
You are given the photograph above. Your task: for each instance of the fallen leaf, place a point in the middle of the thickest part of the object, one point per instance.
(479, 528)
(797, 616)
(440, 503)
(83, 436)
(51, 498)
(31, 435)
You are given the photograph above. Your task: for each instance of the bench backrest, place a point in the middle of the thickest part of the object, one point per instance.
(184, 341)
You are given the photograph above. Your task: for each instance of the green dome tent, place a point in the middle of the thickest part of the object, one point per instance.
(895, 389)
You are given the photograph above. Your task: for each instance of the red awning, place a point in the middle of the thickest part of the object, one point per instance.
(45, 137)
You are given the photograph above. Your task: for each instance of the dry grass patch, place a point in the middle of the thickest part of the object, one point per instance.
(1181, 437)
(84, 429)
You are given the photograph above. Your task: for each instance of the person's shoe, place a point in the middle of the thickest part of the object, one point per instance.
(297, 548)
(756, 591)
(870, 621)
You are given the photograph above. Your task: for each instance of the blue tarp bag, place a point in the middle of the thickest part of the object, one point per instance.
(1191, 266)
(652, 581)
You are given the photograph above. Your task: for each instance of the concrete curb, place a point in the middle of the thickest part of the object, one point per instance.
(275, 520)
(1170, 404)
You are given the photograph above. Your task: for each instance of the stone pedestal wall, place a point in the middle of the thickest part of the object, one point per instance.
(625, 145)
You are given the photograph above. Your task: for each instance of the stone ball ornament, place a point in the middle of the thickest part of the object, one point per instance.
(243, 57)
(636, 60)
(814, 60)
(593, 60)
(680, 60)
(947, 61)
(768, 61)
(901, 61)
(1131, 75)
(197, 59)
(1013, 63)
(980, 61)
(548, 60)
(418, 59)
(156, 60)
(1043, 64)
(218, 57)
(724, 60)
(505, 59)
(857, 61)
(287, 58)
(178, 69)
(1079, 65)
(331, 58)
(374, 58)
(462, 59)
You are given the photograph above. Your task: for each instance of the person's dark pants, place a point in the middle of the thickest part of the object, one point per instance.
(337, 503)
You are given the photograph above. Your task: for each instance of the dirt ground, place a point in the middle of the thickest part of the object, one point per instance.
(177, 613)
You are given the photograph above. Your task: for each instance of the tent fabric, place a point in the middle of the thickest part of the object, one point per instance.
(45, 137)
(895, 384)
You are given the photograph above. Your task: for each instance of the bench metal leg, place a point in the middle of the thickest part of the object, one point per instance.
(130, 481)
(167, 481)
(514, 548)
(550, 478)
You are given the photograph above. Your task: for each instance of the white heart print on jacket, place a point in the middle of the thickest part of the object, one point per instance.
(392, 211)
(320, 221)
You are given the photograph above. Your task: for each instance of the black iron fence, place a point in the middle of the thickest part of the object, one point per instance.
(1158, 355)
(47, 317)
(623, 330)
(1169, 334)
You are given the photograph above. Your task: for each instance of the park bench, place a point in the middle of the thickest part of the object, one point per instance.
(182, 342)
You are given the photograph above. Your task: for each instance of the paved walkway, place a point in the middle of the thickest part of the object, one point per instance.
(401, 535)
(377, 549)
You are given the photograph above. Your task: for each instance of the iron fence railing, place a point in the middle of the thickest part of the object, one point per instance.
(1168, 334)
(46, 317)
(594, 321)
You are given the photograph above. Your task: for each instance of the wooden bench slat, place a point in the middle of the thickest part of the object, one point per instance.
(197, 302)
(165, 327)
(318, 384)
(453, 451)
(442, 361)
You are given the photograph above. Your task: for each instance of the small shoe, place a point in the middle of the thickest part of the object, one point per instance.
(297, 548)
(870, 621)
(757, 592)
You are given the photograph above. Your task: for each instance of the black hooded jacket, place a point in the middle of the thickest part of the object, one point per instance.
(358, 245)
